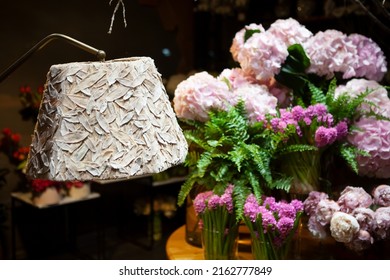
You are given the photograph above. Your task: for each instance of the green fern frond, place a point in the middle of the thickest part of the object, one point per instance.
(317, 96)
(296, 148)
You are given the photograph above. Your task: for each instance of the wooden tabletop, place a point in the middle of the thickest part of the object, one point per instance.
(177, 248)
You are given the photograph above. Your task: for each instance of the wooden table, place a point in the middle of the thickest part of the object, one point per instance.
(177, 248)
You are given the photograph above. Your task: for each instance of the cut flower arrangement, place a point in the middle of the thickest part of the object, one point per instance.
(295, 102)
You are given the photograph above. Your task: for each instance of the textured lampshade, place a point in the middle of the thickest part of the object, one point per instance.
(105, 121)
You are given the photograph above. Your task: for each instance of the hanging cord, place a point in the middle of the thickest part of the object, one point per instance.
(373, 16)
(120, 2)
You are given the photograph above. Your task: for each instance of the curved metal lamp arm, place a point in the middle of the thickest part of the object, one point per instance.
(101, 55)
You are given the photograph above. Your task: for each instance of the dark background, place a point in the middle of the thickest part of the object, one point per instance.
(172, 33)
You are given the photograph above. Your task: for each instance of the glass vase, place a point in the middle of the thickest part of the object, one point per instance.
(262, 250)
(305, 168)
(220, 244)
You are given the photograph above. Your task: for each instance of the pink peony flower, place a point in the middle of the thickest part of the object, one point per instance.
(353, 197)
(371, 62)
(377, 96)
(197, 95)
(364, 216)
(325, 210)
(361, 241)
(372, 136)
(381, 223)
(330, 51)
(343, 227)
(381, 195)
(311, 202)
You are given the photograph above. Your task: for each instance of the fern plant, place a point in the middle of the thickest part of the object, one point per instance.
(227, 149)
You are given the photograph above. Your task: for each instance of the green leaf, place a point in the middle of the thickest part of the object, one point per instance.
(249, 33)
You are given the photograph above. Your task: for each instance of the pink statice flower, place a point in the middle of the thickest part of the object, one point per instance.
(371, 62)
(325, 136)
(200, 93)
(372, 136)
(381, 223)
(289, 31)
(330, 51)
(343, 227)
(378, 95)
(239, 39)
(381, 195)
(354, 197)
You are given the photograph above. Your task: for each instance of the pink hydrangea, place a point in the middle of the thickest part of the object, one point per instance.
(289, 31)
(282, 93)
(316, 228)
(262, 56)
(235, 78)
(200, 93)
(330, 51)
(372, 136)
(239, 39)
(258, 100)
(378, 94)
(371, 62)
(353, 197)
(381, 195)
(381, 223)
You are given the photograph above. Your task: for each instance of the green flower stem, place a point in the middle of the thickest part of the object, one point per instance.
(219, 234)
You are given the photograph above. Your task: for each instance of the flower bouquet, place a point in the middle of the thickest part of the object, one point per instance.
(295, 103)
(356, 218)
(218, 223)
(272, 226)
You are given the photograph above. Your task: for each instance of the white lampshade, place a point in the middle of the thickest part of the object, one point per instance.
(105, 121)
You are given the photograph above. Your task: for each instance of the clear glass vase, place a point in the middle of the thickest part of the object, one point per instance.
(220, 244)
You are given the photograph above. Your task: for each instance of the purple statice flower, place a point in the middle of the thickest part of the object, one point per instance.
(365, 217)
(381, 223)
(325, 136)
(298, 113)
(354, 197)
(251, 207)
(200, 202)
(213, 202)
(270, 203)
(268, 218)
(284, 226)
(342, 129)
(371, 61)
(311, 202)
(286, 210)
(381, 195)
(227, 199)
(297, 204)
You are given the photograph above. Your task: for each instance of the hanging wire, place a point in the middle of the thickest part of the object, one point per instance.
(118, 4)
